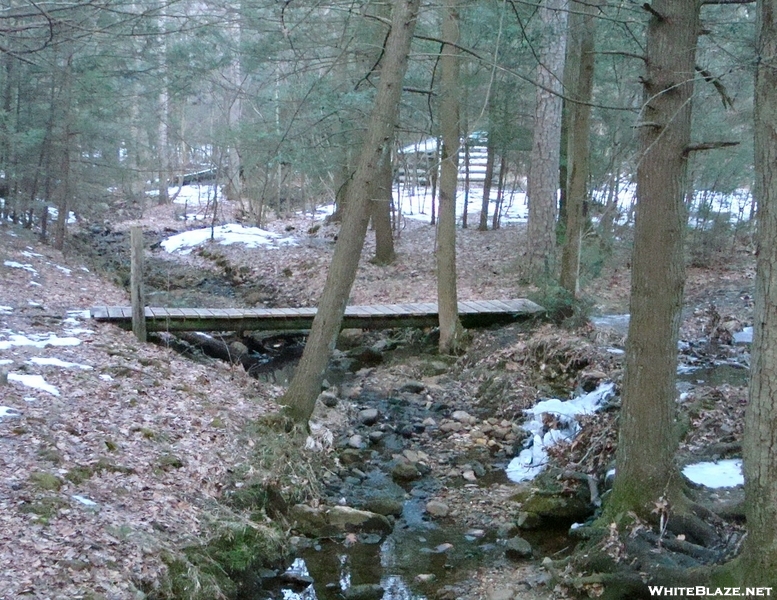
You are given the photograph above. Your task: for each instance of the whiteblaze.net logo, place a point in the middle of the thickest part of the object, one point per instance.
(703, 591)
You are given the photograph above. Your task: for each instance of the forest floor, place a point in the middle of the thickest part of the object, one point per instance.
(116, 454)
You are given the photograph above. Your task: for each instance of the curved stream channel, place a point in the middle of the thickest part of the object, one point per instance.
(419, 556)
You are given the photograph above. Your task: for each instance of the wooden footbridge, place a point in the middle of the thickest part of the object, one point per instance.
(473, 313)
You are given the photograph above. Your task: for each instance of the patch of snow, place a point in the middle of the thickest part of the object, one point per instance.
(65, 270)
(83, 500)
(17, 265)
(28, 254)
(416, 203)
(615, 351)
(56, 362)
(71, 216)
(724, 473)
(34, 304)
(84, 269)
(38, 341)
(34, 381)
(35, 283)
(78, 331)
(6, 361)
(744, 337)
(7, 411)
(106, 377)
(252, 237)
(6, 310)
(78, 313)
(532, 459)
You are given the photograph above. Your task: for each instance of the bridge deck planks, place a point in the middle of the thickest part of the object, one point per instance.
(473, 313)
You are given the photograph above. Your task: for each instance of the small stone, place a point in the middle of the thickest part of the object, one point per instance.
(369, 416)
(436, 508)
(328, 399)
(475, 533)
(429, 422)
(405, 472)
(384, 505)
(412, 456)
(375, 436)
(413, 387)
(502, 432)
(355, 441)
(450, 427)
(517, 548)
(469, 475)
(296, 579)
(443, 548)
(406, 431)
(501, 593)
(462, 416)
(366, 591)
(425, 577)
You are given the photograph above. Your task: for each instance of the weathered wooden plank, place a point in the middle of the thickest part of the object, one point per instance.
(473, 313)
(467, 307)
(480, 306)
(502, 305)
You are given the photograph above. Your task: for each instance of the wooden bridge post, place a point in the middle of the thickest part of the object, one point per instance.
(137, 292)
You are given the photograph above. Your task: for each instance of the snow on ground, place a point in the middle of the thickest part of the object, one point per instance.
(533, 458)
(39, 341)
(724, 473)
(416, 203)
(56, 362)
(33, 381)
(17, 265)
(7, 411)
(252, 237)
(740, 337)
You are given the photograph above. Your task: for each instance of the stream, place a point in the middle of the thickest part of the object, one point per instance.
(420, 556)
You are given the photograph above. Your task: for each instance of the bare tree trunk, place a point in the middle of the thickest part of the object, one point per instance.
(542, 191)
(451, 331)
(580, 56)
(163, 138)
(500, 193)
(381, 215)
(488, 181)
(301, 396)
(648, 438)
(759, 558)
(65, 186)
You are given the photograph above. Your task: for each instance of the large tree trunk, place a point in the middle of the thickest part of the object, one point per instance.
(580, 64)
(301, 396)
(759, 558)
(451, 332)
(542, 190)
(648, 436)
